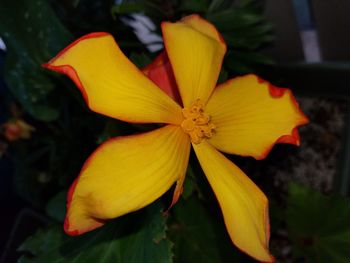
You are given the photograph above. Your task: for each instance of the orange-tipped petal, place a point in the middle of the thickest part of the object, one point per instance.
(251, 115)
(161, 73)
(178, 190)
(125, 174)
(111, 84)
(244, 206)
(196, 51)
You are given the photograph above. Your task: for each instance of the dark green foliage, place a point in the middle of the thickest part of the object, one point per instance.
(319, 225)
(196, 235)
(37, 40)
(193, 234)
(66, 132)
(140, 59)
(136, 238)
(56, 207)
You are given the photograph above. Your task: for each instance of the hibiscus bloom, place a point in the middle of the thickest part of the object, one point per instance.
(244, 116)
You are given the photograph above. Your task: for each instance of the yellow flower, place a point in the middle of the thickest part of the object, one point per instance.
(244, 116)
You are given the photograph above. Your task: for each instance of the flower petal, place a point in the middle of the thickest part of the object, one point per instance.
(251, 115)
(244, 206)
(195, 50)
(161, 73)
(111, 84)
(125, 174)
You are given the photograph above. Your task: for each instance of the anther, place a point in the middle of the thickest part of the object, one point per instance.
(196, 123)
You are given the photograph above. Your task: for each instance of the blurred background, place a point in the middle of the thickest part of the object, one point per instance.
(46, 131)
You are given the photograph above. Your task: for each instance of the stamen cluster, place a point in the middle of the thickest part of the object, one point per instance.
(196, 123)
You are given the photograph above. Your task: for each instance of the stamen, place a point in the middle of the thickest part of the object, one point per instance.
(196, 123)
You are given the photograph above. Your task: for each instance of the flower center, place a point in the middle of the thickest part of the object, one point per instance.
(196, 123)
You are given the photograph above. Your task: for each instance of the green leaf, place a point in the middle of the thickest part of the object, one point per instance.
(136, 238)
(152, 8)
(194, 6)
(319, 225)
(243, 27)
(56, 207)
(112, 129)
(127, 8)
(189, 184)
(198, 236)
(223, 76)
(215, 4)
(41, 242)
(193, 234)
(37, 40)
(141, 60)
(245, 62)
(234, 19)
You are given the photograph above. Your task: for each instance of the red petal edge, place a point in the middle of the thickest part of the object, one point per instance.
(69, 200)
(72, 74)
(267, 230)
(69, 70)
(74, 184)
(177, 193)
(294, 137)
(70, 196)
(267, 223)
